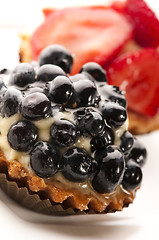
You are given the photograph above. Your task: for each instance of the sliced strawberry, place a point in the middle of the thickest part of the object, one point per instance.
(119, 6)
(89, 33)
(48, 11)
(145, 22)
(138, 74)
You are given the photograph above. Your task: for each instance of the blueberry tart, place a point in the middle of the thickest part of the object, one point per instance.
(65, 138)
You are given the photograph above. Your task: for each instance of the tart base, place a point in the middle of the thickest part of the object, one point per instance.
(139, 124)
(42, 196)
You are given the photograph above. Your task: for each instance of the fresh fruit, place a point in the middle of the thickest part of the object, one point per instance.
(137, 74)
(77, 165)
(127, 142)
(102, 140)
(10, 102)
(23, 74)
(111, 168)
(61, 90)
(63, 133)
(114, 114)
(86, 92)
(89, 121)
(95, 70)
(44, 159)
(22, 135)
(57, 55)
(48, 72)
(146, 23)
(138, 153)
(132, 176)
(35, 106)
(89, 33)
(111, 93)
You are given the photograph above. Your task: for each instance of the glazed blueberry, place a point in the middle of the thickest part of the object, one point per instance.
(111, 168)
(23, 74)
(22, 135)
(63, 133)
(95, 70)
(138, 152)
(86, 93)
(81, 76)
(48, 72)
(132, 176)
(10, 101)
(41, 87)
(3, 89)
(44, 159)
(77, 165)
(127, 141)
(3, 71)
(57, 55)
(89, 121)
(102, 140)
(113, 113)
(97, 143)
(35, 106)
(111, 93)
(61, 90)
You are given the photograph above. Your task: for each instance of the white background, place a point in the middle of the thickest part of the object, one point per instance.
(139, 221)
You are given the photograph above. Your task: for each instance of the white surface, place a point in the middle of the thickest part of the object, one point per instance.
(139, 221)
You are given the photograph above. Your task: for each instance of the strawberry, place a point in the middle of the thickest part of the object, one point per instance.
(89, 33)
(146, 24)
(137, 74)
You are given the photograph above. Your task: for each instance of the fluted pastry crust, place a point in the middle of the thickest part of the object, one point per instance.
(68, 197)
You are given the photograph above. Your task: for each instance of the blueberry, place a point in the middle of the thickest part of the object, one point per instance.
(97, 143)
(57, 55)
(41, 87)
(127, 141)
(23, 74)
(4, 71)
(138, 152)
(113, 113)
(77, 165)
(3, 89)
(81, 76)
(22, 135)
(132, 176)
(95, 70)
(44, 159)
(63, 132)
(35, 106)
(89, 121)
(1, 84)
(61, 90)
(111, 93)
(111, 168)
(48, 72)
(86, 93)
(10, 101)
(100, 141)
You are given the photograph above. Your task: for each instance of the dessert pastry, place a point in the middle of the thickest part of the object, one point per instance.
(128, 33)
(66, 137)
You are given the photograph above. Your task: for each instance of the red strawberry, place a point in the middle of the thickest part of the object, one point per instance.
(137, 73)
(90, 33)
(48, 11)
(145, 22)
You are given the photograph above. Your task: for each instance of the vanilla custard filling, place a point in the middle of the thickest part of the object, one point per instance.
(44, 135)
